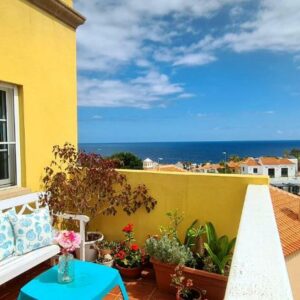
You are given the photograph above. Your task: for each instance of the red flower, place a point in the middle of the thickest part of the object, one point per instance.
(121, 255)
(134, 247)
(128, 228)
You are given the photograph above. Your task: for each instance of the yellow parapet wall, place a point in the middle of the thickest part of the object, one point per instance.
(38, 55)
(215, 198)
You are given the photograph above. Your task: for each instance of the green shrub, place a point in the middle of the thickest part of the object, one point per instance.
(168, 250)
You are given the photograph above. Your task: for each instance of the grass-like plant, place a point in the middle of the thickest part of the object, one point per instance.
(219, 249)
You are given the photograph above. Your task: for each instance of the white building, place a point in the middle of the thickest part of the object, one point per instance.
(280, 170)
(148, 164)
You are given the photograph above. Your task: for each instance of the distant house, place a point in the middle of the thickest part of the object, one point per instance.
(234, 167)
(277, 168)
(148, 164)
(208, 168)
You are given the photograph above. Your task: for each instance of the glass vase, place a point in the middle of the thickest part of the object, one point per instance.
(66, 268)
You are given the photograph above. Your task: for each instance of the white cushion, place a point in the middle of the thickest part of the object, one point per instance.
(16, 265)
(7, 240)
(32, 231)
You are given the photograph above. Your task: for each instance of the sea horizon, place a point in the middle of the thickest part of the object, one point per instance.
(194, 151)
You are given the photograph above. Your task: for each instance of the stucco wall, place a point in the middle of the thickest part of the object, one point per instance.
(207, 197)
(38, 53)
(293, 267)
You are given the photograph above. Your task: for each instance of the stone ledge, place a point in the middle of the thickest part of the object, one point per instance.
(11, 192)
(61, 11)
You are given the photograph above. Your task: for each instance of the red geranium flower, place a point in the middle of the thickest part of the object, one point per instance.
(134, 247)
(121, 254)
(128, 228)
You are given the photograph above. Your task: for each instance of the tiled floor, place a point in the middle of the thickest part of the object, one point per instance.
(141, 289)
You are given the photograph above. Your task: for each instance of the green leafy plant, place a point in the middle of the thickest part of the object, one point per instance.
(219, 249)
(127, 160)
(168, 250)
(175, 219)
(193, 236)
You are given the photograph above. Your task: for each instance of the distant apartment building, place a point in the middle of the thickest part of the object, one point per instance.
(283, 168)
(282, 171)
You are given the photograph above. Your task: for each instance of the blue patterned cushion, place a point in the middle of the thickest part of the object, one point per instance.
(32, 231)
(7, 240)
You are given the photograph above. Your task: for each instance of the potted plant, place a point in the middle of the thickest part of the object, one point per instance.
(207, 265)
(80, 183)
(166, 252)
(185, 288)
(129, 259)
(106, 260)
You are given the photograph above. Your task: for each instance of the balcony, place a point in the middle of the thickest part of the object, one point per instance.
(237, 205)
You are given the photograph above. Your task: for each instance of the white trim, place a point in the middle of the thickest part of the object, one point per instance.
(17, 135)
(258, 269)
(15, 98)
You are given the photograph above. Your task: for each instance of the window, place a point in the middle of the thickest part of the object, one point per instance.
(271, 172)
(255, 170)
(284, 172)
(8, 145)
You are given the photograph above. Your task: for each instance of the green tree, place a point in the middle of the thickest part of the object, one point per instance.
(235, 158)
(127, 160)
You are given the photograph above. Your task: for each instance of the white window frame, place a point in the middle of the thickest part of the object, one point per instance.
(14, 89)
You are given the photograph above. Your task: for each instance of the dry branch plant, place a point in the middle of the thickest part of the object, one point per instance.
(81, 183)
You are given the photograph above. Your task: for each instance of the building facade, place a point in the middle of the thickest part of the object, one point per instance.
(281, 169)
(38, 102)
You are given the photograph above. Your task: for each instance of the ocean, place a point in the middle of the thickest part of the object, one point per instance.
(196, 152)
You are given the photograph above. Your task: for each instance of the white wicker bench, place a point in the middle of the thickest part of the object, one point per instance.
(16, 265)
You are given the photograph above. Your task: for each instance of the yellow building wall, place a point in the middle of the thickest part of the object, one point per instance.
(38, 53)
(206, 197)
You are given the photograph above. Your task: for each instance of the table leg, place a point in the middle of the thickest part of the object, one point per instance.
(122, 288)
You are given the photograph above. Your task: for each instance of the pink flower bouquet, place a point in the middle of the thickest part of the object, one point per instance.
(68, 241)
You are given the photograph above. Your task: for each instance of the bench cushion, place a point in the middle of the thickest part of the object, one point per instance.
(32, 231)
(6, 237)
(16, 265)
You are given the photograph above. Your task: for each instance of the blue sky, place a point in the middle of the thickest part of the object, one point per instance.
(197, 70)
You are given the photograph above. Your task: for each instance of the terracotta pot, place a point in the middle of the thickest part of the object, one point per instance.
(178, 296)
(214, 284)
(163, 274)
(129, 272)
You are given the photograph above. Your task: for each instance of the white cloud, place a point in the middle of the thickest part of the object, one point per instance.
(121, 33)
(276, 27)
(194, 59)
(116, 31)
(270, 112)
(141, 92)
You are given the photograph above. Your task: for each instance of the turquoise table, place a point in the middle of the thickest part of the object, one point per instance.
(92, 281)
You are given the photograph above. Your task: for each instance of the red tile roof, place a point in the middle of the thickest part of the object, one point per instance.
(286, 209)
(234, 165)
(275, 161)
(250, 162)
